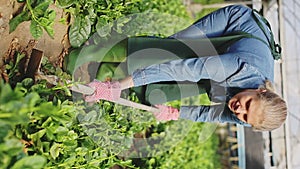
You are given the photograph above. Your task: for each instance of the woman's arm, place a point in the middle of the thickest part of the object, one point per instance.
(217, 68)
(215, 113)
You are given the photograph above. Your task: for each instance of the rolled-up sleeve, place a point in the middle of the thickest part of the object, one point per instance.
(202, 113)
(215, 113)
(217, 68)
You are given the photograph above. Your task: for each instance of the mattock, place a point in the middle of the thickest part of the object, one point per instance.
(86, 90)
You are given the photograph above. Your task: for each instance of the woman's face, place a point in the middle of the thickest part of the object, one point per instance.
(246, 105)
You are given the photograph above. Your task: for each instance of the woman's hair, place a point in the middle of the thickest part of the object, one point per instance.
(274, 109)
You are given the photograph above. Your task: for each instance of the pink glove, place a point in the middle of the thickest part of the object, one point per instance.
(166, 113)
(110, 91)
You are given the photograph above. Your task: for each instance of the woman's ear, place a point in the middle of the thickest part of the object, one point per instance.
(269, 85)
(261, 90)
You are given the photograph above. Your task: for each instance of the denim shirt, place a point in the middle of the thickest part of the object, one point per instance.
(245, 77)
(226, 72)
(245, 65)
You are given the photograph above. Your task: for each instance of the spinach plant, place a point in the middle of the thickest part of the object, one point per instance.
(89, 16)
(41, 17)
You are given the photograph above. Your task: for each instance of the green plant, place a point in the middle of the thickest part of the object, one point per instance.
(205, 12)
(41, 126)
(47, 126)
(47, 130)
(40, 16)
(205, 2)
(90, 16)
(12, 67)
(108, 17)
(191, 152)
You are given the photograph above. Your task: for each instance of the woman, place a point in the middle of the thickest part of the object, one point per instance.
(241, 77)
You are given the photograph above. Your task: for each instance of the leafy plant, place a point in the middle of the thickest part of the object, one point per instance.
(108, 17)
(40, 16)
(204, 2)
(205, 11)
(12, 68)
(46, 131)
(41, 127)
(90, 16)
(191, 152)
(47, 126)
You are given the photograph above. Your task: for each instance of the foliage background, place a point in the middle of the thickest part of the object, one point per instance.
(43, 127)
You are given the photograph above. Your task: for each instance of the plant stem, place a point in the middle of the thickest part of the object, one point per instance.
(31, 11)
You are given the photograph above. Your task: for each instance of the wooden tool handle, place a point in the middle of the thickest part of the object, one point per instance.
(89, 91)
(82, 89)
(86, 90)
(136, 105)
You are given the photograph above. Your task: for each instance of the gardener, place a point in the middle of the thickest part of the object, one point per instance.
(245, 72)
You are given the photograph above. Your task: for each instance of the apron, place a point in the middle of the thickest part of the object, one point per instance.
(138, 52)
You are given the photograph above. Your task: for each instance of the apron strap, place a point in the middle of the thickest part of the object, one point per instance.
(275, 47)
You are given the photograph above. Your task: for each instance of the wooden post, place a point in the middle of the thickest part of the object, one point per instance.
(34, 63)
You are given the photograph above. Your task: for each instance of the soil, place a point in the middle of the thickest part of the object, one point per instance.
(54, 48)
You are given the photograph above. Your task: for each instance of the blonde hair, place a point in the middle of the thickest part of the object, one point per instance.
(274, 109)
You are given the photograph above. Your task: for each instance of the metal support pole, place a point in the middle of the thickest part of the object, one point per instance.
(284, 79)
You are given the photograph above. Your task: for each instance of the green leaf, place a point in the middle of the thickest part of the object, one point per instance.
(36, 30)
(31, 162)
(79, 31)
(50, 132)
(121, 23)
(44, 21)
(103, 27)
(37, 135)
(12, 146)
(5, 128)
(8, 67)
(27, 82)
(65, 3)
(90, 117)
(31, 99)
(18, 132)
(15, 66)
(92, 15)
(61, 130)
(51, 15)
(54, 150)
(14, 22)
(47, 22)
(40, 9)
(50, 31)
(5, 94)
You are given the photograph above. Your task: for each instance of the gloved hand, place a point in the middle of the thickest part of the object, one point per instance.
(110, 91)
(166, 113)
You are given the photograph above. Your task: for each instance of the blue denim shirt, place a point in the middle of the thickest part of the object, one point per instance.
(245, 65)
